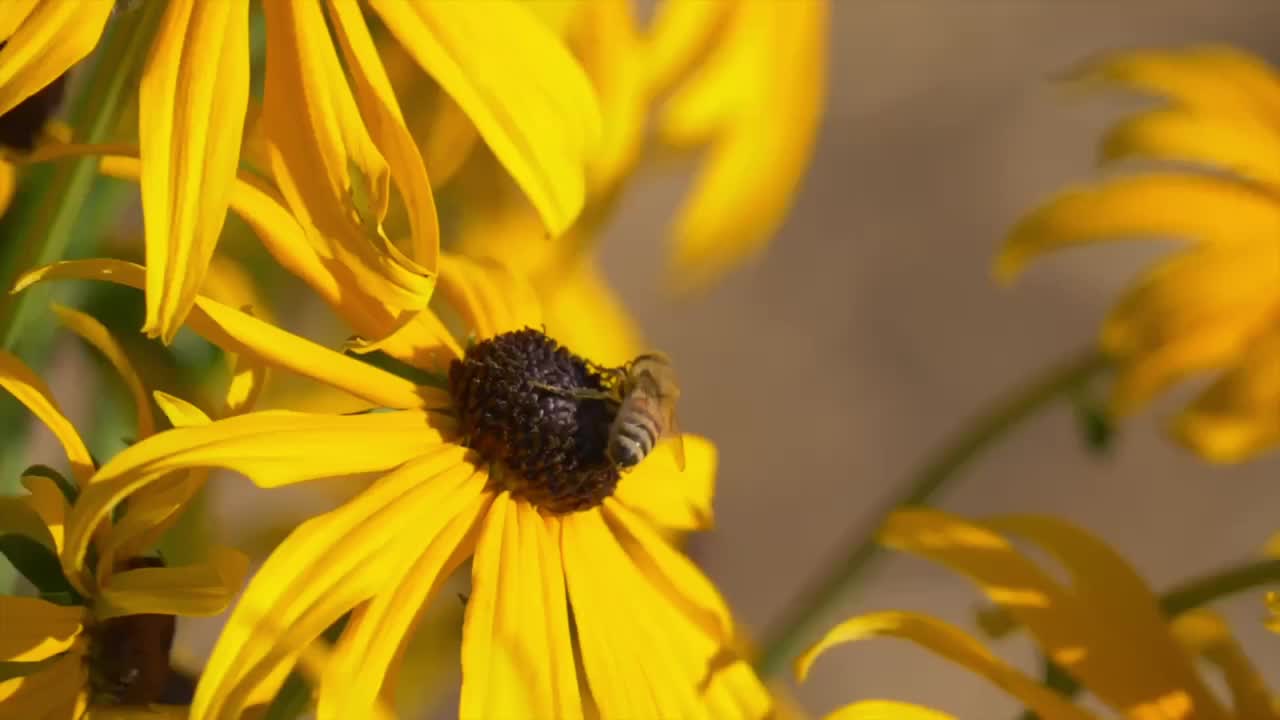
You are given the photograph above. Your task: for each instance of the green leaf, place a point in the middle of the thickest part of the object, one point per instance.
(36, 562)
(69, 490)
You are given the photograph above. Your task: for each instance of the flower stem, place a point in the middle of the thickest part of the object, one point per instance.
(798, 623)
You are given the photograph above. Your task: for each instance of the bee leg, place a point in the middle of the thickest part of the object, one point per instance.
(575, 393)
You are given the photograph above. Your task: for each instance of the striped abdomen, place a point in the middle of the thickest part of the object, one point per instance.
(635, 430)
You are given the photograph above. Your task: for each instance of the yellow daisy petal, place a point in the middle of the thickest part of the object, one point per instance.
(327, 566)
(951, 643)
(193, 96)
(668, 498)
(25, 386)
(516, 654)
(15, 14)
(680, 33)
(190, 590)
(374, 643)
(46, 500)
(248, 378)
(886, 710)
(18, 517)
(1195, 207)
(491, 299)
(36, 629)
(1247, 149)
(447, 140)
(240, 332)
(526, 95)
(272, 448)
(50, 693)
(153, 510)
(1239, 415)
(1203, 633)
(423, 342)
(584, 313)
(605, 38)
(97, 335)
(49, 40)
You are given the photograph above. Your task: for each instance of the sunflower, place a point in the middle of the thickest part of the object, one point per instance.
(577, 603)
(96, 641)
(1213, 306)
(1104, 627)
(335, 137)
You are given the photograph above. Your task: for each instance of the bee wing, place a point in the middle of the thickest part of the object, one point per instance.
(676, 437)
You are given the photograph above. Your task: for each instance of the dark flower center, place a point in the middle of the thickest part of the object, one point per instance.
(129, 661)
(533, 409)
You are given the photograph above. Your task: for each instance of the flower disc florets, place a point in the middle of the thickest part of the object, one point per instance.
(534, 409)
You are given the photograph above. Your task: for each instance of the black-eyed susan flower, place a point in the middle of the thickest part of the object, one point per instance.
(578, 606)
(335, 139)
(1103, 626)
(1213, 306)
(95, 642)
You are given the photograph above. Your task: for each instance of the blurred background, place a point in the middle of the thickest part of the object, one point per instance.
(828, 369)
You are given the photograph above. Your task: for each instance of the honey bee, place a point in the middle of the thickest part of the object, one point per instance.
(647, 391)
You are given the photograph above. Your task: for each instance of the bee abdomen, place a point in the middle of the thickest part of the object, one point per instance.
(633, 438)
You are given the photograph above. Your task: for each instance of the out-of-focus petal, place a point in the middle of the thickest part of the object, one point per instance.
(1203, 633)
(190, 590)
(1239, 414)
(36, 629)
(681, 34)
(584, 313)
(489, 296)
(951, 643)
(192, 101)
(49, 40)
(667, 497)
(886, 710)
(46, 500)
(772, 55)
(1247, 149)
(97, 335)
(27, 388)
(54, 692)
(527, 96)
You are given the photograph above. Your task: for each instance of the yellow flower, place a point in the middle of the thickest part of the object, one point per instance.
(747, 80)
(1215, 305)
(333, 150)
(96, 642)
(551, 527)
(1104, 626)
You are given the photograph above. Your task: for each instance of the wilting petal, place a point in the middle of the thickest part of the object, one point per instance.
(772, 55)
(191, 590)
(25, 386)
(667, 497)
(952, 644)
(272, 448)
(52, 38)
(680, 34)
(1247, 149)
(193, 96)
(516, 654)
(1195, 207)
(53, 692)
(527, 96)
(1239, 415)
(1203, 633)
(327, 566)
(1215, 80)
(886, 710)
(489, 296)
(36, 629)
(240, 332)
(374, 643)
(97, 335)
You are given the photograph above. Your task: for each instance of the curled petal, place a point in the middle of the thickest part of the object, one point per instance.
(1204, 633)
(47, 42)
(1238, 416)
(27, 388)
(97, 335)
(1248, 149)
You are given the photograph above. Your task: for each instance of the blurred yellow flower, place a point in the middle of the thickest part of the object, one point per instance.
(1104, 626)
(550, 525)
(1214, 306)
(96, 642)
(332, 149)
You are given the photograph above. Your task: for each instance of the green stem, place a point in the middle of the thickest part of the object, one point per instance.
(1195, 593)
(799, 623)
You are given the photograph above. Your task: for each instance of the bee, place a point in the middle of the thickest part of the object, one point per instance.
(646, 395)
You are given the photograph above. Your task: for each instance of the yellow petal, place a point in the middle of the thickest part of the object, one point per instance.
(667, 497)
(1239, 415)
(151, 712)
(516, 654)
(51, 693)
(272, 448)
(681, 33)
(1195, 207)
(1247, 149)
(954, 645)
(25, 386)
(240, 332)
(15, 14)
(36, 629)
(192, 101)
(248, 377)
(327, 566)
(526, 95)
(152, 511)
(772, 55)
(1211, 79)
(423, 342)
(447, 140)
(1203, 633)
(8, 183)
(490, 297)
(886, 710)
(374, 643)
(52, 38)
(97, 335)
(191, 590)
(377, 101)
(46, 500)
(584, 313)
(17, 516)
